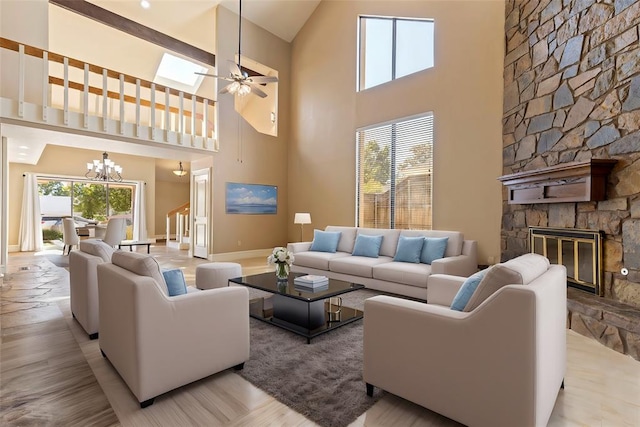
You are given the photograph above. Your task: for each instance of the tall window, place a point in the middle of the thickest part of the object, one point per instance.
(395, 164)
(391, 48)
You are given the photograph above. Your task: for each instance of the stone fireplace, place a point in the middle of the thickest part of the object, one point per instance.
(572, 94)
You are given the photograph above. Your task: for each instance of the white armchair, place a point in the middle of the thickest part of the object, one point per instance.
(500, 364)
(69, 234)
(158, 343)
(116, 231)
(83, 283)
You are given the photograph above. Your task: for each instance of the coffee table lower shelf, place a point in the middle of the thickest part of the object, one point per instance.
(308, 319)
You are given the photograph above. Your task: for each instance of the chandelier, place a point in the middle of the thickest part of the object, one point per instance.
(105, 170)
(180, 171)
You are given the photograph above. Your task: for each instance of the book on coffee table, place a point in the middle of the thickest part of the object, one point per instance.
(311, 281)
(312, 288)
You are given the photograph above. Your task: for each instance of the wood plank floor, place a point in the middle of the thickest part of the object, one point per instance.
(52, 374)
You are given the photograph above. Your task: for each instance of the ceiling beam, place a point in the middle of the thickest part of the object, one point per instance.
(106, 17)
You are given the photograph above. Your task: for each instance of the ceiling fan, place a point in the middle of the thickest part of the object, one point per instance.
(241, 83)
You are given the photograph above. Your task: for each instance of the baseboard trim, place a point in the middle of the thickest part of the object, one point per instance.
(230, 256)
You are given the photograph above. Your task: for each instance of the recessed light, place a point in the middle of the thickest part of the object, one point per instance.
(23, 147)
(22, 154)
(145, 4)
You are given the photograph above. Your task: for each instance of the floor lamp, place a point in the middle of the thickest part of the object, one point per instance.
(302, 219)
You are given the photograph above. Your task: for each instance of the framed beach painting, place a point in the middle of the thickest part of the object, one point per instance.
(252, 199)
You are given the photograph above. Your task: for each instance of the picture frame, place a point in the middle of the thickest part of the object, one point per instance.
(251, 199)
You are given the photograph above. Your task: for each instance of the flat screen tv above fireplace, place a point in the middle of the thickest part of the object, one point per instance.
(578, 250)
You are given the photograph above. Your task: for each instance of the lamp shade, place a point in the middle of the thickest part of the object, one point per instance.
(302, 218)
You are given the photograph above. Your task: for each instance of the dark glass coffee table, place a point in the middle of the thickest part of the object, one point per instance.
(301, 311)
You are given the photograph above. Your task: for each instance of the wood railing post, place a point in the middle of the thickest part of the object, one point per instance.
(45, 85)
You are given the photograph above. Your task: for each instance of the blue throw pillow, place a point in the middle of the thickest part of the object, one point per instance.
(175, 281)
(466, 290)
(409, 249)
(433, 248)
(368, 246)
(325, 241)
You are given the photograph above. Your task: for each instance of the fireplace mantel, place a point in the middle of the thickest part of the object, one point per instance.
(566, 182)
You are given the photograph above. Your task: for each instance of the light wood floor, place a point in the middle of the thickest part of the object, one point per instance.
(52, 374)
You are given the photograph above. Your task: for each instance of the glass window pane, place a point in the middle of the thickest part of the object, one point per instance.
(55, 204)
(377, 45)
(414, 46)
(90, 201)
(374, 177)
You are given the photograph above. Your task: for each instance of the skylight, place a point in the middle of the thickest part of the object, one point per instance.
(179, 73)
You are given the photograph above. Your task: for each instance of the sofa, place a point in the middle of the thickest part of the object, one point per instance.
(384, 271)
(83, 282)
(497, 359)
(157, 342)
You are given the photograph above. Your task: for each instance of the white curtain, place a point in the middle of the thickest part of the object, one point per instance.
(30, 219)
(139, 213)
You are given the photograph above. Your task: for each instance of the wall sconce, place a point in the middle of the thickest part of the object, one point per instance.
(273, 117)
(180, 171)
(302, 219)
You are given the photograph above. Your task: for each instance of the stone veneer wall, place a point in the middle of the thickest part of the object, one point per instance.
(572, 92)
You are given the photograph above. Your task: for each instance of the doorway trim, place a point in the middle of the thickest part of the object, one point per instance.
(208, 208)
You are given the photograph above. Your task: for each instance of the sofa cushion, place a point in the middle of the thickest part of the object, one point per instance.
(401, 272)
(409, 249)
(142, 265)
(347, 237)
(389, 239)
(356, 265)
(97, 248)
(368, 246)
(174, 278)
(318, 260)
(433, 248)
(454, 244)
(518, 271)
(325, 241)
(467, 289)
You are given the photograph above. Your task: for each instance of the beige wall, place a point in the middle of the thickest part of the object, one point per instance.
(169, 195)
(464, 91)
(58, 160)
(245, 155)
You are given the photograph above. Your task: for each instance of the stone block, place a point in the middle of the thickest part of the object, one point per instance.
(586, 206)
(627, 144)
(623, 316)
(550, 67)
(572, 51)
(523, 64)
(617, 204)
(549, 85)
(594, 57)
(538, 106)
(516, 53)
(595, 16)
(591, 127)
(629, 121)
(612, 257)
(627, 64)
(626, 291)
(526, 148)
(622, 21)
(584, 88)
(511, 96)
(516, 38)
(611, 338)
(625, 39)
(519, 219)
(635, 208)
(604, 82)
(582, 78)
(628, 180)
(567, 30)
(580, 5)
(548, 139)
(536, 218)
(631, 242)
(562, 215)
(561, 116)
(552, 9)
(563, 97)
(605, 135)
(587, 326)
(620, 5)
(570, 140)
(540, 53)
(632, 102)
(583, 156)
(570, 72)
(578, 113)
(631, 344)
(540, 123)
(608, 108)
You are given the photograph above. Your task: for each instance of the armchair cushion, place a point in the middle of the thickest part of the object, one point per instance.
(325, 241)
(97, 248)
(409, 249)
(367, 246)
(142, 265)
(433, 248)
(467, 290)
(174, 278)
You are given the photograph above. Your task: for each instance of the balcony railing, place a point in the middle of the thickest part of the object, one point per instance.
(44, 88)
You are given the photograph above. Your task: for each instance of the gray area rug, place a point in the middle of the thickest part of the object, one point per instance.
(321, 380)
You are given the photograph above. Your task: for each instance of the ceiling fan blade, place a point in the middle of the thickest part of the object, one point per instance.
(233, 67)
(263, 79)
(224, 89)
(217, 77)
(255, 89)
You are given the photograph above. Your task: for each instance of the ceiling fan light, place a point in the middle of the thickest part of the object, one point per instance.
(244, 90)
